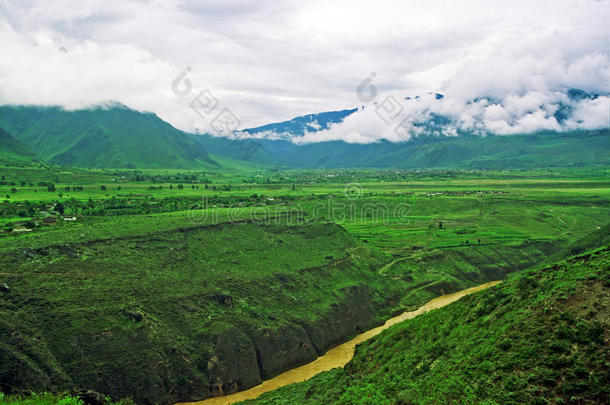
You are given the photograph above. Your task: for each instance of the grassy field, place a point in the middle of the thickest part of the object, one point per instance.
(177, 285)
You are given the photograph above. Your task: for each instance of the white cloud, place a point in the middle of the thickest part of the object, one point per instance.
(495, 112)
(591, 114)
(516, 114)
(271, 61)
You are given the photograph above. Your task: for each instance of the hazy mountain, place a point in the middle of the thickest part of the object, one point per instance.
(302, 124)
(248, 150)
(112, 136)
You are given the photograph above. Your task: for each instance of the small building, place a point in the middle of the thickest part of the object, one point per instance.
(20, 230)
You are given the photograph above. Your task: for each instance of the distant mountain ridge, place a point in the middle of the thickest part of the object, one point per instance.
(542, 149)
(110, 136)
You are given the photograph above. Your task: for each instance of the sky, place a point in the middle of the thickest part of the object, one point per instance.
(502, 66)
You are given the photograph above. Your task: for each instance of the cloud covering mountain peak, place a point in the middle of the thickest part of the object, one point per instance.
(398, 119)
(266, 62)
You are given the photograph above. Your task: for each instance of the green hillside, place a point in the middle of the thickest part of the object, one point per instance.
(108, 137)
(465, 151)
(12, 152)
(160, 309)
(539, 338)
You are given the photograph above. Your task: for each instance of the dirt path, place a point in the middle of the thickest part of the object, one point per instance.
(337, 356)
(393, 262)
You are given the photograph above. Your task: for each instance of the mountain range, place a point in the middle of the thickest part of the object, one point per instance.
(114, 136)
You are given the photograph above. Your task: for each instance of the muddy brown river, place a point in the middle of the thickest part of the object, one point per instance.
(338, 356)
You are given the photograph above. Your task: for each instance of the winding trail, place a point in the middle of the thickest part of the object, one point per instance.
(338, 356)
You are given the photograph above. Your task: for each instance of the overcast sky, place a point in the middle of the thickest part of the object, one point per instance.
(269, 61)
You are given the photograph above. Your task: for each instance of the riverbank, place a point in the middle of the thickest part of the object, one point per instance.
(337, 356)
(541, 336)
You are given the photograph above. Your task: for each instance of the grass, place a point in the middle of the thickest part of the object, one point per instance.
(146, 293)
(148, 296)
(46, 398)
(40, 399)
(540, 337)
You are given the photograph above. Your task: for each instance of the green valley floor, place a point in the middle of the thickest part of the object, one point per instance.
(162, 286)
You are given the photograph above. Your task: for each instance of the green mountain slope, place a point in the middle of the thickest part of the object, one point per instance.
(112, 137)
(539, 338)
(465, 151)
(12, 151)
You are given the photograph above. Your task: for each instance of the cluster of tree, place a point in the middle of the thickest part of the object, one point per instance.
(128, 205)
(14, 183)
(191, 178)
(347, 176)
(171, 187)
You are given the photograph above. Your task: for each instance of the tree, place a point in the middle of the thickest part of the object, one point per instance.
(59, 207)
